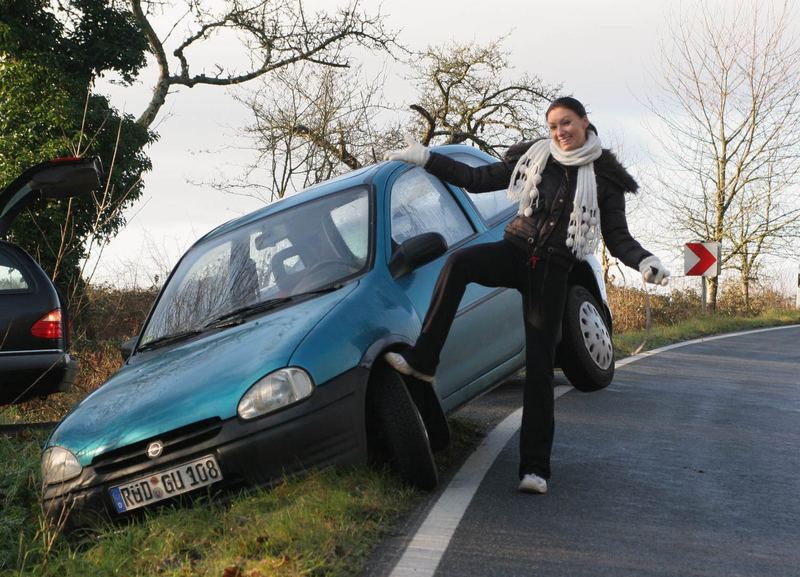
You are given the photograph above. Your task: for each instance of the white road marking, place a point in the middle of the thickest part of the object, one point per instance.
(666, 348)
(424, 552)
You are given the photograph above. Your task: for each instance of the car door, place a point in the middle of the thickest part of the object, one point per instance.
(57, 179)
(487, 330)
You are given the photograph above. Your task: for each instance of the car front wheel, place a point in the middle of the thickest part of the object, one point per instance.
(402, 431)
(586, 352)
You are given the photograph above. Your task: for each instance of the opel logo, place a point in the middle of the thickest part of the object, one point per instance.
(155, 449)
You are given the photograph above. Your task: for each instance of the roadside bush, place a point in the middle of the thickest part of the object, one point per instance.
(629, 310)
(113, 314)
(763, 296)
(628, 304)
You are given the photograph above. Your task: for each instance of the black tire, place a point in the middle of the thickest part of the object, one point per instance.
(402, 431)
(586, 352)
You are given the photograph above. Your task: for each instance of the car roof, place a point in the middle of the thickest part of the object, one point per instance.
(361, 176)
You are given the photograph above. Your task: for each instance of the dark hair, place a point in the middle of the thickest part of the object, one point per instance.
(572, 104)
(567, 102)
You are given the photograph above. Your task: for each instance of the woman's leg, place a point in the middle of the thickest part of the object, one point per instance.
(544, 303)
(497, 264)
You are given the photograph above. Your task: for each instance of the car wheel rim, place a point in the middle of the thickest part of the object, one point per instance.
(595, 336)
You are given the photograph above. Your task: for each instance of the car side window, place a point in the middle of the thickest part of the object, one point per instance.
(349, 221)
(12, 278)
(420, 203)
(489, 204)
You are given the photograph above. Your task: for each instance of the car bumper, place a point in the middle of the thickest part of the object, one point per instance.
(325, 429)
(30, 375)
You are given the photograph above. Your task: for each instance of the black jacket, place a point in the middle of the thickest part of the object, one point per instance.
(545, 232)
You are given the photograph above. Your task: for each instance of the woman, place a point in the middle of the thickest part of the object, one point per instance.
(569, 190)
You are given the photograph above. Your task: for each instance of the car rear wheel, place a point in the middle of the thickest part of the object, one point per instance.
(402, 431)
(586, 353)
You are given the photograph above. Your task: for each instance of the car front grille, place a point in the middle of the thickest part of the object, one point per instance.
(173, 441)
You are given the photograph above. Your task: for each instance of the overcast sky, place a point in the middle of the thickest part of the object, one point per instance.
(604, 52)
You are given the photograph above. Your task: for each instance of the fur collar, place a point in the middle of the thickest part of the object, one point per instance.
(608, 167)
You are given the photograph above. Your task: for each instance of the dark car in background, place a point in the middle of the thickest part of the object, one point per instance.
(34, 325)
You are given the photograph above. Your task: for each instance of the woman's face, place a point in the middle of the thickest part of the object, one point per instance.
(567, 129)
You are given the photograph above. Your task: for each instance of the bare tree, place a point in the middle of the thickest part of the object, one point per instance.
(312, 123)
(276, 33)
(731, 112)
(465, 97)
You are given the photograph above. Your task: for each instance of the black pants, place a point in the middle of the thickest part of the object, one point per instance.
(543, 288)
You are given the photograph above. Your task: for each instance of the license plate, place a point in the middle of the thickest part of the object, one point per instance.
(165, 484)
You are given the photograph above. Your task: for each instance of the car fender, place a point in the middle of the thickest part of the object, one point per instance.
(423, 394)
(375, 329)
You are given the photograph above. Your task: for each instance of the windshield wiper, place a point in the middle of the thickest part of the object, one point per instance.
(168, 339)
(246, 311)
(238, 315)
(326, 289)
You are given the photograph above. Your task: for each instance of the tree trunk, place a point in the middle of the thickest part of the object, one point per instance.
(745, 282)
(604, 262)
(712, 285)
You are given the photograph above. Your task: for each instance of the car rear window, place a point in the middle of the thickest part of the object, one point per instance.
(12, 277)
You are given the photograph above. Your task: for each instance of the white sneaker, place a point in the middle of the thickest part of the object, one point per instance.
(400, 364)
(532, 483)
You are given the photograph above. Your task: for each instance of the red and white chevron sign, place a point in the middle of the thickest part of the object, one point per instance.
(701, 259)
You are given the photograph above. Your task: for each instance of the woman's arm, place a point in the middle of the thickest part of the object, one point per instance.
(614, 226)
(484, 178)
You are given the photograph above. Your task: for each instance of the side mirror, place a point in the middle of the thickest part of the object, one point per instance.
(415, 252)
(126, 348)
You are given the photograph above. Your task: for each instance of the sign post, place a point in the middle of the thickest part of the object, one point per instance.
(702, 259)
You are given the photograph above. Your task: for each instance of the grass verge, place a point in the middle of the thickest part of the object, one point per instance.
(699, 326)
(322, 525)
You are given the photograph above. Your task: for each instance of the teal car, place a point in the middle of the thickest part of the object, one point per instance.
(262, 355)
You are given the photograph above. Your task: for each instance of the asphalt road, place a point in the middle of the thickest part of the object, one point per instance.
(687, 465)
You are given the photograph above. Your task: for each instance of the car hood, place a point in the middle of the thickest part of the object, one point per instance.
(189, 382)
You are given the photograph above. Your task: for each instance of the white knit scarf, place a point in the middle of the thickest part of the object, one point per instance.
(584, 222)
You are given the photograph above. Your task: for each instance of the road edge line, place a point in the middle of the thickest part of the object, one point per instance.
(425, 550)
(665, 348)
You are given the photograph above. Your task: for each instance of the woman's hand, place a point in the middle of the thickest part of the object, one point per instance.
(653, 271)
(415, 153)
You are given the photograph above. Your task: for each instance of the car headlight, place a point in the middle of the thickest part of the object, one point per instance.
(59, 465)
(276, 390)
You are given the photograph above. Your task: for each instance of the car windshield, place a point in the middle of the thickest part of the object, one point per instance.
(297, 251)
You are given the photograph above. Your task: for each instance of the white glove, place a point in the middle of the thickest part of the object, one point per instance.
(415, 153)
(653, 271)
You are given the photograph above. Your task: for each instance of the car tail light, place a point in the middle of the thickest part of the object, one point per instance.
(49, 326)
